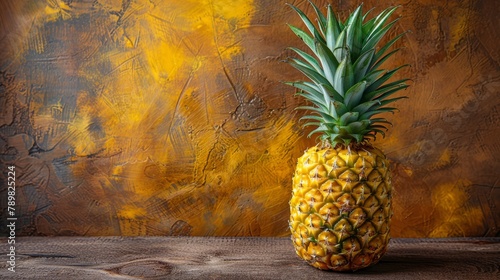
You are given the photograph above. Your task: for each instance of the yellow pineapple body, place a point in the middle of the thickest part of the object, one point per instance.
(340, 210)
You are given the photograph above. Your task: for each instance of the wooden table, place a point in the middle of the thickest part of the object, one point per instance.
(237, 258)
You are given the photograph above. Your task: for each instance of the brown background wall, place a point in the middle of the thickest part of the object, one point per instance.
(155, 117)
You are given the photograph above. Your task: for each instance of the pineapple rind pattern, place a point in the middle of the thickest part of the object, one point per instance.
(340, 209)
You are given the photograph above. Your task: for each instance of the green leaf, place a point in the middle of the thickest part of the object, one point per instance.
(372, 76)
(387, 101)
(382, 79)
(378, 127)
(369, 136)
(348, 118)
(308, 40)
(310, 108)
(362, 64)
(339, 108)
(327, 118)
(380, 120)
(383, 92)
(373, 40)
(369, 114)
(311, 117)
(368, 24)
(354, 32)
(308, 58)
(378, 131)
(367, 13)
(344, 131)
(318, 130)
(381, 60)
(305, 86)
(333, 93)
(308, 90)
(381, 19)
(383, 97)
(332, 29)
(311, 124)
(344, 77)
(322, 21)
(340, 49)
(310, 73)
(354, 94)
(387, 46)
(319, 102)
(326, 97)
(310, 26)
(328, 61)
(364, 107)
(304, 64)
(358, 126)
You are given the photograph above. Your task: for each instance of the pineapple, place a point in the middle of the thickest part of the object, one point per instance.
(340, 210)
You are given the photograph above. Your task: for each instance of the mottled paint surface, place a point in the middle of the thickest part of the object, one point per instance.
(168, 117)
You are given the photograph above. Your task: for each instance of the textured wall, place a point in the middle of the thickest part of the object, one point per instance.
(152, 117)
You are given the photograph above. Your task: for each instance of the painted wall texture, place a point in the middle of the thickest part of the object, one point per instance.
(148, 117)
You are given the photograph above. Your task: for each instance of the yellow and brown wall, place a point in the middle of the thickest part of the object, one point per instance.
(149, 117)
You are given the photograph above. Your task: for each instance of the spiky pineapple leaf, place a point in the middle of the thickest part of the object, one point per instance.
(332, 29)
(387, 101)
(354, 94)
(328, 61)
(309, 24)
(344, 77)
(301, 63)
(308, 58)
(322, 21)
(326, 117)
(396, 86)
(339, 108)
(346, 88)
(348, 118)
(383, 49)
(318, 101)
(367, 24)
(341, 50)
(333, 93)
(384, 91)
(373, 76)
(354, 32)
(313, 117)
(362, 64)
(380, 20)
(380, 120)
(319, 129)
(310, 73)
(382, 79)
(308, 40)
(358, 126)
(364, 107)
(369, 114)
(374, 39)
(308, 87)
(326, 97)
(382, 59)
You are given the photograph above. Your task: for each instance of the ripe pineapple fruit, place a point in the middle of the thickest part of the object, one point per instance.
(340, 210)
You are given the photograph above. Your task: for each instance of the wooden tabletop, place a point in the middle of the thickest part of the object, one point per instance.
(237, 258)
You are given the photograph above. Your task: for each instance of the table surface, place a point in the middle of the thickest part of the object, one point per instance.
(237, 258)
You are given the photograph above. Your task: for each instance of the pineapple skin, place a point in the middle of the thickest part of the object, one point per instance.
(340, 210)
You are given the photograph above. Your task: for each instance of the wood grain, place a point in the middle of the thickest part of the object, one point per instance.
(239, 258)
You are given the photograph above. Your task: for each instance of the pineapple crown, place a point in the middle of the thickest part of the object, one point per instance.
(346, 88)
